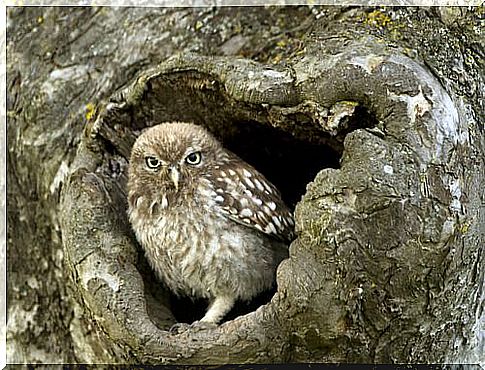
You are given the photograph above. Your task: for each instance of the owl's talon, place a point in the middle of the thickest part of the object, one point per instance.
(202, 325)
(179, 328)
(196, 326)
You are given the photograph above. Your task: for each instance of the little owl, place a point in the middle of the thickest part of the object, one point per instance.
(211, 225)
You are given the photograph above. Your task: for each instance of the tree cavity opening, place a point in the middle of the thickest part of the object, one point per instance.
(288, 160)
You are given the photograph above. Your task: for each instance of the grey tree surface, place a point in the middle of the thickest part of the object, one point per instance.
(369, 120)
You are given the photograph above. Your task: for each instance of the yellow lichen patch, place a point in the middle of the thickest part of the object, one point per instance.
(90, 111)
(281, 43)
(276, 59)
(198, 25)
(464, 228)
(377, 19)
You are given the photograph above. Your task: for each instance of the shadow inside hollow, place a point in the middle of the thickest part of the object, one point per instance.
(289, 163)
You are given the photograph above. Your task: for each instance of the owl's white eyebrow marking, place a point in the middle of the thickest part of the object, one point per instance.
(246, 173)
(272, 205)
(246, 212)
(151, 154)
(190, 150)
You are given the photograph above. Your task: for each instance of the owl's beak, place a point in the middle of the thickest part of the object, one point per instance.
(175, 177)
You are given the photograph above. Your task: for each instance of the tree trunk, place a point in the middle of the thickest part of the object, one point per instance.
(369, 121)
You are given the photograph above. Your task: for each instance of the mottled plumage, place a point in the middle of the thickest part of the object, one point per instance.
(211, 225)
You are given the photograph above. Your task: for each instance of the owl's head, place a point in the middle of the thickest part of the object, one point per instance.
(171, 158)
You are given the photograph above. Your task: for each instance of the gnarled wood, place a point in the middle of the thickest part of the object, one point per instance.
(380, 157)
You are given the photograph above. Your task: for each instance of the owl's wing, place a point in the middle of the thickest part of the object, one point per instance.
(248, 198)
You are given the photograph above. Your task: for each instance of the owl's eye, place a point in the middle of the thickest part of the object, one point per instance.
(193, 158)
(152, 162)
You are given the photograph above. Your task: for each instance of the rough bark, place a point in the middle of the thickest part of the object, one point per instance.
(369, 120)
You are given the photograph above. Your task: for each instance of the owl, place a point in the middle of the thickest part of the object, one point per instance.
(210, 224)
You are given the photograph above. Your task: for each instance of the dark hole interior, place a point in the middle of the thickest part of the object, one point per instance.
(288, 162)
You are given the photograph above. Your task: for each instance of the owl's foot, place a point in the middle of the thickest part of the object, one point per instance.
(179, 328)
(217, 309)
(202, 325)
(219, 306)
(196, 326)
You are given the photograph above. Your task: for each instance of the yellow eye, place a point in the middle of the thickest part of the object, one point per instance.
(152, 162)
(193, 158)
